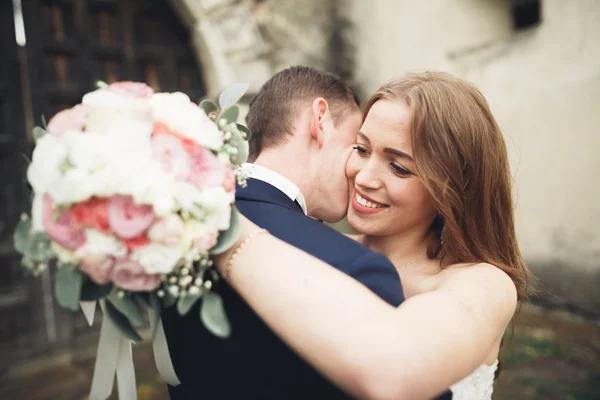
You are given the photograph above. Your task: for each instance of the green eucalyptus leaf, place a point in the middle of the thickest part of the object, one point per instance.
(209, 106)
(22, 234)
(121, 322)
(232, 94)
(39, 247)
(91, 291)
(44, 124)
(230, 236)
(231, 114)
(242, 149)
(212, 314)
(245, 130)
(68, 282)
(38, 133)
(186, 302)
(128, 307)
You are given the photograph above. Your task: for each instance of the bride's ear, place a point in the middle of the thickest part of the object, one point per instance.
(320, 115)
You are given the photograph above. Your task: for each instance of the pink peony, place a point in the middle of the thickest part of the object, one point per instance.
(133, 89)
(168, 231)
(61, 227)
(98, 267)
(205, 242)
(70, 119)
(171, 154)
(127, 219)
(129, 275)
(207, 171)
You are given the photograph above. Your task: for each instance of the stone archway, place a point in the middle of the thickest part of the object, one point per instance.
(249, 40)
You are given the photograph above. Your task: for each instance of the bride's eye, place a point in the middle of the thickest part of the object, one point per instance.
(360, 150)
(400, 171)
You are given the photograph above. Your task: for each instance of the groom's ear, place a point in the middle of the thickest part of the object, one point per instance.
(320, 113)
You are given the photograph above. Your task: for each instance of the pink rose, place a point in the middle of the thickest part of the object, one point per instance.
(70, 119)
(168, 231)
(98, 267)
(62, 229)
(171, 154)
(207, 171)
(133, 89)
(205, 242)
(129, 275)
(127, 219)
(92, 213)
(229, 183)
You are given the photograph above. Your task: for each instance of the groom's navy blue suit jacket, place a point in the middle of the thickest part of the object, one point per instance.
(253, 363)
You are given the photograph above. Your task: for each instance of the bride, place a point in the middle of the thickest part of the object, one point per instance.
(430, 188)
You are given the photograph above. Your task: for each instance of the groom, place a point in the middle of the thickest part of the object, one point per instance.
(303, 123)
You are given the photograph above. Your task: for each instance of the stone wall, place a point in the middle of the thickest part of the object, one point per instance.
(543, 84)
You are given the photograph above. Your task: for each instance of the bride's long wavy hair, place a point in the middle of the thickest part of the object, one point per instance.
(461, 158)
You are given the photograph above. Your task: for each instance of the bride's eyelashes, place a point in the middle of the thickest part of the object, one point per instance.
(397, 169)
(400, 171)
(360, 150)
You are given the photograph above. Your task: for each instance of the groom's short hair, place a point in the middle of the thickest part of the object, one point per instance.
(273, 110)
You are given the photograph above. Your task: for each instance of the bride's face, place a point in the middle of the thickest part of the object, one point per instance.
(386, 195)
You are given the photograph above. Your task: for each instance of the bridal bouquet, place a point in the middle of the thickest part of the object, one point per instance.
(132, 192)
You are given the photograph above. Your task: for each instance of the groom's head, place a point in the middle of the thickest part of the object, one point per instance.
(310, 118)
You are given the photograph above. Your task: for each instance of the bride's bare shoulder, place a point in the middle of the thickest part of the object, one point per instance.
(490, 279)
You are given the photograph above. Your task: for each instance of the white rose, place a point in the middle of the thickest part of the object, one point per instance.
(98, 243)
(157, 258)
(186, 118)
(49, 156)
(186, 195)
(194, 229)
(216, 202)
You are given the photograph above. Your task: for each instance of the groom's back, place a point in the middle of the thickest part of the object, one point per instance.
(254, 363)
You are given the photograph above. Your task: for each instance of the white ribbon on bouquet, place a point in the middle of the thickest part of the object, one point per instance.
(114, 357)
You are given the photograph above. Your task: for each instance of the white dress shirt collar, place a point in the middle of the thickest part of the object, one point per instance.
(280, 182)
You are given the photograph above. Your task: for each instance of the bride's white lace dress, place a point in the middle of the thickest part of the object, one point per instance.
(477, 386)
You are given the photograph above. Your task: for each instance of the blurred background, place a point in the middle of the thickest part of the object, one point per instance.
(536, 61)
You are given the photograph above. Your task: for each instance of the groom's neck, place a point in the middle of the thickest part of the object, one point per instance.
(289, 163)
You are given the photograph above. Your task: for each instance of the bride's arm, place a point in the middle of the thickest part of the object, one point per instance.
(365, 346)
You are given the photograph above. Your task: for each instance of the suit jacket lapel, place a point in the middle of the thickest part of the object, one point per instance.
(261, 191)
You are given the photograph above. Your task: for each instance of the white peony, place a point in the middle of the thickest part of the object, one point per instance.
(126, 127)
(74, 186)
(49, 158)
(177, 111)
(157, 258)
(89, 151)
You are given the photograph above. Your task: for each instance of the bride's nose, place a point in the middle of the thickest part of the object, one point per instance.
(368, 176)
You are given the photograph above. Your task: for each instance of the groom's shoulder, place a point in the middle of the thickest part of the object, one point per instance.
(322, 241)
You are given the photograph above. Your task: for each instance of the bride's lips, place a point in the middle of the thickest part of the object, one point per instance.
(368, 206)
